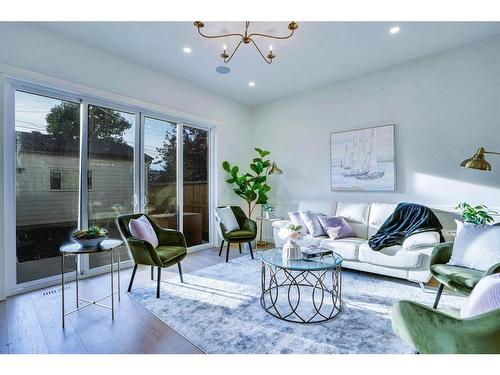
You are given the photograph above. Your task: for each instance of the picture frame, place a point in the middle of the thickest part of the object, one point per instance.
(363, 159)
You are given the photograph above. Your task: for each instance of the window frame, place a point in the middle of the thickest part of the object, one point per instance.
(139, 109)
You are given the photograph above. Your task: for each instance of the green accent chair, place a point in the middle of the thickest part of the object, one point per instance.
(459, 279)
(246, 233)
(170, 250)
(430, 331)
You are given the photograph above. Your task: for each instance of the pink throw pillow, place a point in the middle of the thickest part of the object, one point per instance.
(141, 228)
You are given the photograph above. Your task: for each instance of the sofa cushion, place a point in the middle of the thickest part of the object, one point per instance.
(379, 212)
(456, 275)
(347, 247)
(392, 256)
(325, 207)
(356, 214)
(309, 240)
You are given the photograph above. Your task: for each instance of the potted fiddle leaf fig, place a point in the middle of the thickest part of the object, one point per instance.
(252, 185)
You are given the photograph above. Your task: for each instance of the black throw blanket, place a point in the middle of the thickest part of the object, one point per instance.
(407, 219)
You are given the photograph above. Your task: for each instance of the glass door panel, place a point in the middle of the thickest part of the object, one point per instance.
(160, 171)
(195, 185)
(111, 142)
(47, 174)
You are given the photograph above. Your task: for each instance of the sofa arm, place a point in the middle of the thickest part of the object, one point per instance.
(441, 254)
(250, 225)
(171, 237)
(422, 239)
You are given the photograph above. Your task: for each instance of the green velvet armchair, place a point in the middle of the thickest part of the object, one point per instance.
(170, 250)
(460, 279)
(246, 233)
(430, 331)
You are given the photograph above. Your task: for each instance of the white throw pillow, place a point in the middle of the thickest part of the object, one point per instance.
(226, 216)
(476, 246)
(422, 239)
(485, 297)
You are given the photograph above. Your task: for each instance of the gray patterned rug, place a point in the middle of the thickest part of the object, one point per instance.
(218, 310)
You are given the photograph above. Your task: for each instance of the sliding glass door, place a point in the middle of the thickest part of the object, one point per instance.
(47, 174)
(160, 171)
(195, 171)
(79, 164)
(111, 142)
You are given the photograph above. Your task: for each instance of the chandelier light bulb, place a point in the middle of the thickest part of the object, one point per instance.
(270, 48)
(224, 47)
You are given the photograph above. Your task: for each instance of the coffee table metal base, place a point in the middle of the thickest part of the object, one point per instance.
(284, 293)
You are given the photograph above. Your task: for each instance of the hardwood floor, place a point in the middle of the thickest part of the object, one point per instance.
(31, 322)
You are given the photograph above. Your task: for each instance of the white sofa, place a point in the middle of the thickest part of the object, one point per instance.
(409, 261)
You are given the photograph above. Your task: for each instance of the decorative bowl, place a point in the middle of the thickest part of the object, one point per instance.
(90, 242)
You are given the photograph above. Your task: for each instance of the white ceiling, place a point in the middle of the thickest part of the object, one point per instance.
(318, 53)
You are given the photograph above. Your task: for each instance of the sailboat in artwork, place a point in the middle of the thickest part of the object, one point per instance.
(370, 163)
(354, 157)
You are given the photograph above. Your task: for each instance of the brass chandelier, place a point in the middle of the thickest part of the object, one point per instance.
(247, 39)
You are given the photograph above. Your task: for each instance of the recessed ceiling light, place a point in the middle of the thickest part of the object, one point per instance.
(394, 30)
(251, 83)
(187, 49)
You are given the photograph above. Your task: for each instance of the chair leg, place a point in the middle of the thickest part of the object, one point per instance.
(180, 271)
(221, 246)
(239, 246)
(438, 296)
(227, 252)
(251, 252)
(158, 283)
(132, 278)
(152, 271)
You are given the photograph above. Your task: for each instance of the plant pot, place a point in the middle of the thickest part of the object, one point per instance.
(90, 242)
(291, 251)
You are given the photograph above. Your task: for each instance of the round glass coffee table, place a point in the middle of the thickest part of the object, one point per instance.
(301, 291)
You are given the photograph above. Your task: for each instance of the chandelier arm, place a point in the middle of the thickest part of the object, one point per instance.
(230, 57)
(218, 36)
(272, 36)
(258, 49)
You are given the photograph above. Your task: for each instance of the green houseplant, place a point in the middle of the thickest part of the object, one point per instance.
(90, 237)
(475, 214)
(252, 186)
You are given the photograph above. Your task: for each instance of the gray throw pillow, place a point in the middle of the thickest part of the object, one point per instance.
(311, 220)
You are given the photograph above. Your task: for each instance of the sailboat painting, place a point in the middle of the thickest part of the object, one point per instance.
(363, 159)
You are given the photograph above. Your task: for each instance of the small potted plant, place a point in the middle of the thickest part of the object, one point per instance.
(476, 214)
(267, 211)
(90, 237)
(291, 251)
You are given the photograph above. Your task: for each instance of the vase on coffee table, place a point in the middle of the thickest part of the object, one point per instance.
(291, 251)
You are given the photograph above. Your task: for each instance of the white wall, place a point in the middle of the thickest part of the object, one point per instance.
(444, 107)
(46, 58)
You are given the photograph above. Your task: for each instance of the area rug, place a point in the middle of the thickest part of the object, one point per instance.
(218, 310)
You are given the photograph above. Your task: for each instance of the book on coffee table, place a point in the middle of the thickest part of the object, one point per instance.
(315, 251)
